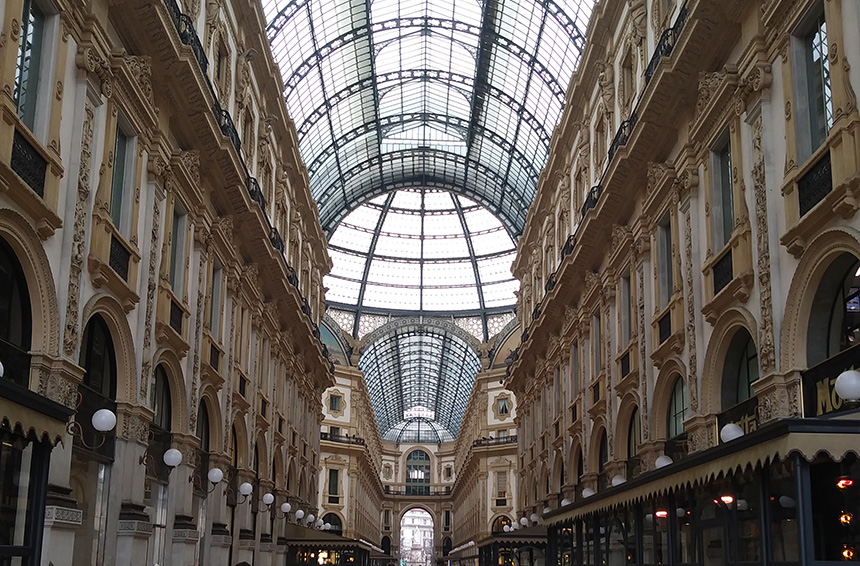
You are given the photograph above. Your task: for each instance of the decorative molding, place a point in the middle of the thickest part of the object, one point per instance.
(692, 374)
(643, 355)
(766, 352)
(78, 251)
(151, 287)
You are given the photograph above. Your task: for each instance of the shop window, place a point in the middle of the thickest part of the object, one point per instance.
(740, 370)
(29, 62)
(835, 489)
(98, 359)
(15, 318)
(677, 409)
(722, 213)
(814, 101)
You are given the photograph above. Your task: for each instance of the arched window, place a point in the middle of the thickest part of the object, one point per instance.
(677, 409)
(634, 434)
(602, 458)
(834, 320)
(161, 405)
(386, 545)
(446, 546)
(99, 359)
(15, 321)
(334, 521)
(580, 466)
(234, 447)
(203, 426)
(500, 523)
(418, 473)
(740, 369)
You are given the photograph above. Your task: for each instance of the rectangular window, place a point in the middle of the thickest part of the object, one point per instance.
(334, 403)
(447, 521)
(333, 479)
(334, 431)
(626, 309)
(721, 195)
(123, 172)
(502, 434)
(215, 301)
(177, 251)
(448, 472)
(813, 90)
(596, 344)
(501, 489)
(29, 62)
(557, 390)
(386, 519)
(574, 371)
(504, 407)
(664, 260)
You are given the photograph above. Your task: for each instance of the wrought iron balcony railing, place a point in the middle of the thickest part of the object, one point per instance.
(28, 163)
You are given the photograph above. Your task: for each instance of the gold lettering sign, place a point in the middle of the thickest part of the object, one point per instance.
(826, 399)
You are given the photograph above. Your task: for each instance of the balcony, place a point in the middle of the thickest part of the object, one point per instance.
(28, 163)
(342, 438)
(501, 441)
(416, 490)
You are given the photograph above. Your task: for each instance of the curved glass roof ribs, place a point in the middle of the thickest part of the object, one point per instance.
(454, 94)
(421, 250)
(421, 430)
(419, 372)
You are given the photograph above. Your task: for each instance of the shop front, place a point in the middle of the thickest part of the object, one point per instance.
(785, 494)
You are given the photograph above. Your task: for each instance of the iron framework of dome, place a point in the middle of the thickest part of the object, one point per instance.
(417, 367)
(418, 430)
(421, 250)
(454, 94)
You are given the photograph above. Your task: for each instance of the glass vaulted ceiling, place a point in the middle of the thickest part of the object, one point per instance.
(421, 250)
(454, 94)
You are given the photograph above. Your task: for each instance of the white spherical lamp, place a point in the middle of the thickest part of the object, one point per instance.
(848, 385)
(2, 371)
(534, 517)
(300, 514)
(268, 499)
(104, 420)
(618, 480)
(524, 521)
(215, 475)
(285, 508)
(327, 526)
(246, 489)
(319, 523)
(172, 457)
(587, 492)
(310, 518)
(565, 502)
(731, 432)
(663, 461)
(506, 528)
(515, 526)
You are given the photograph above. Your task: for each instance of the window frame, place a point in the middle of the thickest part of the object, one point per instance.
(802, 40)
(722, 192)
(665, 268)
(178, 245)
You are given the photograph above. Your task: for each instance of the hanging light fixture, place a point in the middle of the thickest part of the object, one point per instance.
(731, 431)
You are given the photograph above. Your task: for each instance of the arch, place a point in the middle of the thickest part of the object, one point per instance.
(715, 355)
(598, 430)
(497, 525)
(98, 359)
(16, 324)
(173, 369)
(385, 544)
(671, 369)
(626, 409)
(162, 404)
(291, 486)
(573, 454)
(209, 395)
(241, 444)
(423, 507)
(814, 262)
(558, 471)
(27, 246)
(302, 492)
(114, 316)
(204, 426)
(335, 520)
(446, 546)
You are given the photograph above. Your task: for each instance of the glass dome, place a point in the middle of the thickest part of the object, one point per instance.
(421, 250)
(418, 430)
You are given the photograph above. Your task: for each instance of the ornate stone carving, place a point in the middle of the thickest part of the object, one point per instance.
(592, 280)
(135, 427)
(141, 71)
(692, 374)
(198, 335)
(850, 95)
(191, 160)
(643, 357)
(620, 236)
(91, 61)
(766, 351)
(708, 84)
(773, 405)
(78, 251)
(638, 15)
(151, 287)
(243, 74)
(191, 7)
(655, 174)
(606, 82)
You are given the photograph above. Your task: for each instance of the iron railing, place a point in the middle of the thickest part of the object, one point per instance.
(498, 441)
(723, 271)
(214, 356)
(342, 438)
(176, 315)
(815, 184)
(119, 258)
(591, 199)
(28, 163)
(664, 327)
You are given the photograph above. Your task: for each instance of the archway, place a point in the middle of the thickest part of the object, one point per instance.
(416, 538)
(334, 521)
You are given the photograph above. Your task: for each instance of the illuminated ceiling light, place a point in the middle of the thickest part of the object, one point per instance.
(845, 518)
(661, 514)
(727, 499)
(844, 483)
(847, 552)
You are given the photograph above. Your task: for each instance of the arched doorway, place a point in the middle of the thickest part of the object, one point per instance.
(15, 318)
(334, 521)
(416, 538)
(386, 545)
